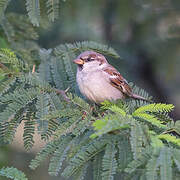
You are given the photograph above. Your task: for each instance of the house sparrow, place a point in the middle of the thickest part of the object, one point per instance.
(99, 81)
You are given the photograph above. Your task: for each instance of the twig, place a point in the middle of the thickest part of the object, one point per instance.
(63, 93)
(33, 69)
(67, 90)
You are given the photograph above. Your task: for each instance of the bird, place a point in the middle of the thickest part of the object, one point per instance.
(99, 81)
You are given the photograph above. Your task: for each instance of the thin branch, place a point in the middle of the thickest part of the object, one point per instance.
(63, 94)
(67, 90)
(33, 69)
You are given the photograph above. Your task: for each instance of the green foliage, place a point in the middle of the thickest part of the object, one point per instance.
(52, 9)
(109, 162)
(154, 108)
(43, 154)
(42, 110)
(97, 166)
(84, 155)
(152, 169)
(149, 144)
(125, 155)
(12, 173)
(143, 113)
(176, 157)
(84, 46)
(29, 129)
(143, 137)
(33, 9)
(16, 101)
(120, 119)
(59, 156)
(158, 164)
(103, 126)
(170, 138)
(165, 163)
(21, 37)
(10, 65)
(3, 6)
(127, 138)
(137, 139)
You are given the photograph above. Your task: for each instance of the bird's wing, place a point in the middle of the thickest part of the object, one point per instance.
(118, 81)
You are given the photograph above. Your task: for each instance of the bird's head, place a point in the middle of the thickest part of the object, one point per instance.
(90, 59)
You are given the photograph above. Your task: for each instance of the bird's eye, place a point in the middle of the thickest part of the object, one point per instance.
(89, 59)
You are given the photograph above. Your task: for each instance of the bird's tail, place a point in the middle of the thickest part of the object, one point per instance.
(135, 96)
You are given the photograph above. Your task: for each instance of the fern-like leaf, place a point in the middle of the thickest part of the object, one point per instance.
(137, 165)
(151, 119)
(170, 138)
(9, 62)
(136, 139)
(58, 73)
(116, 109)
(33, 9)
(44, 153)
(125, 155)
(110, 123)
(59, 156)
(44, 67)
(42, 107)
(29, 129)
(12, 173)
(3, 128)
(97, 166)
(80, 103)
(68, 74)
(16, 101)
(151, 168)
(9, 128)
(70, 69)
(84, 155)
(165, 163)
(87, 45)
(176, 157)
(52, 9)
(154, 108)
(72, 117)
(80, 175)
(3, 6)
(6, 86)
(8, 29)
(109, 163)
(52, 127)
(90, 45)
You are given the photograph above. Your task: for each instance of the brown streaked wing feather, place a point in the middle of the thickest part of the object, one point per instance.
(118, 81)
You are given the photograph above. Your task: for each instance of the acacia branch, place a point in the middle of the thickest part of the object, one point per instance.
(58, 91)
(63, 94)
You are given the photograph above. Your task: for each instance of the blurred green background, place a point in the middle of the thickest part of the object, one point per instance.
(146, 34)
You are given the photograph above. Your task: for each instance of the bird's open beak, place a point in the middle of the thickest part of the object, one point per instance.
(78, 61)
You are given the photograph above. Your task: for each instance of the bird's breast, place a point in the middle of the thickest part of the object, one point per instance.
(96, 87)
